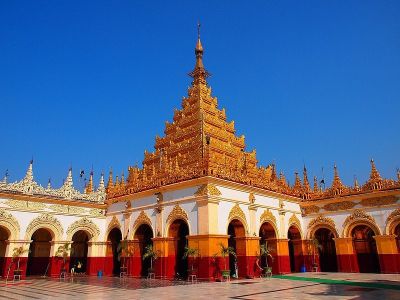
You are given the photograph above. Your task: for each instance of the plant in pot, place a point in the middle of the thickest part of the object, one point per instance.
(193, 253)
(153, 255)
(124, 251)
(265, 251)
(17, 253)
(63, 253)
(314, 246)
(226, 251)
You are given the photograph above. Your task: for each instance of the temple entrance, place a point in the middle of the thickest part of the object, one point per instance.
(235, 230)
(144, 234)
(365, 247)
(294, 236)
(179, 230)
(79, 251)
(4, 236)
(268, 238)
(327, 250)
(114, 237)
(39, 252)
(397, 234)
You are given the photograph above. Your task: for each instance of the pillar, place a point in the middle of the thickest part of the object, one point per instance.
(96, 260)
(346, 257)
(164, 265)
(58, 263)
(209, 263)
(135, 260)
(247, 251)
(281, 263)
(389, 258)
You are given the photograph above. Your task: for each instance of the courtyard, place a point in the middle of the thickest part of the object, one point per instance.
(294, 286)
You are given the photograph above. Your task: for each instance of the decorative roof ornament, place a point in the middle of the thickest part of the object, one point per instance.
(316, 189)
(89, 186)
(199, 73)
(306, 184)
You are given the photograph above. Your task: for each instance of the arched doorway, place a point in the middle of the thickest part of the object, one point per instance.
(327, 250)
(114, 237)
(4, 236)
(144, 234)
(397, 234)
(294, 237)
(39, 252)
(365, 248)
(267, 236)
(235, 230)
(179, 230)
(79, 251)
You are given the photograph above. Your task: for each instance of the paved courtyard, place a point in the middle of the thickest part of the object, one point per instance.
(295, 286)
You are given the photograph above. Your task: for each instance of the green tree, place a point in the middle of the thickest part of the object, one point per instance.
(63, 252)
(17, 253)
(226, 251)
(190, 252)
(150, 253)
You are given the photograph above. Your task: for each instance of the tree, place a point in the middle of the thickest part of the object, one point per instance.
(124, 251)
(265, 251)
(63, 252)
(17, 253)
(226, 251)
(190, 252)
(150, 253)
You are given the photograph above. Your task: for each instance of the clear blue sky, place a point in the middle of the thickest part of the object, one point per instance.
(87, 83)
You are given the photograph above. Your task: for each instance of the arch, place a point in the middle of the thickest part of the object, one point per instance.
(236, 213)
(392, 221)
(86, 225)
(365, 248)
(114, 223)
(268, 235)
(321, 222)
(114, 238)
(359, 217)
(143, 236)
(268, 216)
(48, 222)
(39, 251)
(295, 247)
(397, 234)
(4, 237)
(327, 249)
(178, 230)
(177, 213)
(236, 231)
(294, 221)
(10, 223)
(79, 251)
(142, 219)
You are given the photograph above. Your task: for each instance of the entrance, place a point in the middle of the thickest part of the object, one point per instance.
(39, 252)
(365, 247)
(79, 251)
(144, 234)
(327, 251)
(115, 237)
(397, 234)
(293, 236)
(179, 230)
(268, 238)
(4, 236)
(235, 230)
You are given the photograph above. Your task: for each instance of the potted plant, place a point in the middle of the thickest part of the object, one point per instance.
(193, 253)
(124, 251)
(150, 253)
(226, 251)
(314, 246)
(265, 251)
(17, 253)
(63, 253)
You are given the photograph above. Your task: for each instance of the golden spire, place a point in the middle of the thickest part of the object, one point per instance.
(110, 183)
(316, 184)
(199, 73)
(297, 182)
(89, 187)
(356, 185)
(374, 175)
(305, 179)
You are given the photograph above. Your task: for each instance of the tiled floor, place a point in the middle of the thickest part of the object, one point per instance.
(116, 288)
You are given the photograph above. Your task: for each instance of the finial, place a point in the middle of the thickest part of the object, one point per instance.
(374, 175)
(356, 185)
(198, 29)
(49, 184)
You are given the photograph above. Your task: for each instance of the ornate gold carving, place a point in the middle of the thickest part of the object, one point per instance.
(83, 224)
(339, 206)
(359, 216)
(391, 221)
(96, 212)
(237, 212)
(378, 201)
(143, 218)
(25, 205)
(267, 216)
(60, 208)
(294, 220)
(76, 210)
(10, 222)
(252, 198)
(394, 214)
(208, 190)
(312, 209)
(48, 221)
(114, 223)
(321, 220)
(177, 213)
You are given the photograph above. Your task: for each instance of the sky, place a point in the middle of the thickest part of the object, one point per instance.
(89, 84)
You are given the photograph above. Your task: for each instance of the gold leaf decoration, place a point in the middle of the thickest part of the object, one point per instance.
(208, 190)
